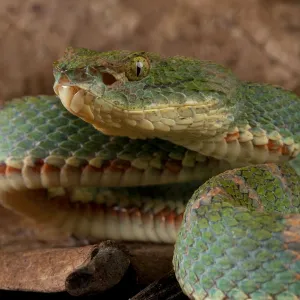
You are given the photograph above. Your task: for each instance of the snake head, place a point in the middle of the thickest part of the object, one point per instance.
(144, 95)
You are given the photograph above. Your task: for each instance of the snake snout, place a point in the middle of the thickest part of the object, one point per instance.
(76, 100)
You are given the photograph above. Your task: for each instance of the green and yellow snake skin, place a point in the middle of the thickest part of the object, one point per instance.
(174, 150)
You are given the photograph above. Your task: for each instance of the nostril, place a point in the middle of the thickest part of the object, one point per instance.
(108, 79)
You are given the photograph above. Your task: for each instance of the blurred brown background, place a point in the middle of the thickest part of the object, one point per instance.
(258, 39)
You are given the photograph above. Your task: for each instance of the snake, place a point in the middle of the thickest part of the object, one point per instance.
(136, 146)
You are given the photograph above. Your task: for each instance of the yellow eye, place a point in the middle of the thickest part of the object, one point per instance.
(137, 68)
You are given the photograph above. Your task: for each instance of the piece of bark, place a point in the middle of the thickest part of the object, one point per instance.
(42, 270)
(104, 269)
(166, 288)
(46, 270)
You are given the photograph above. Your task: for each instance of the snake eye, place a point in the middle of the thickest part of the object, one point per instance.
(137, 68)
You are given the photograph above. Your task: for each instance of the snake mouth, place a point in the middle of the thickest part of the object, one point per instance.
(178, 123)
(103, 115)
(76, 100)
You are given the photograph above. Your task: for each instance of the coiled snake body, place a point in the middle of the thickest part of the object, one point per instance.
(134, 137)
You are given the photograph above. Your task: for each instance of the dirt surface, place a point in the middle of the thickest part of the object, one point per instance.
(258, 39)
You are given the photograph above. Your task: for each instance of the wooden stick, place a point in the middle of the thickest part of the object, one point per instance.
(166, 288)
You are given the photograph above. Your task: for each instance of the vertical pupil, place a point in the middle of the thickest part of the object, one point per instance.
(139, 66)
